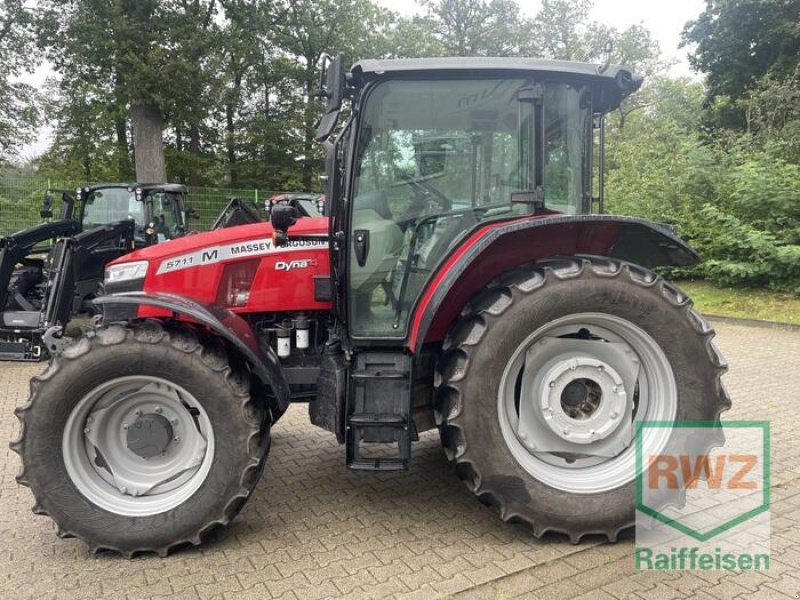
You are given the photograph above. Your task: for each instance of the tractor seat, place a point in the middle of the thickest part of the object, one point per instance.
(385, 244)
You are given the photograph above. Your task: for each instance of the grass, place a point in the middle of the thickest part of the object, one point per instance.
(764, 305)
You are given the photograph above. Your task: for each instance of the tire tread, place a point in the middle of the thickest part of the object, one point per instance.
(523, 281)
(184, 339)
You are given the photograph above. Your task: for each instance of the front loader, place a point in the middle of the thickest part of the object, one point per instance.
(51, 272)
(459, 281)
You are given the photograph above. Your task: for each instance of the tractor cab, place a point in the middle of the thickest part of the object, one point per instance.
(436, 149)
(157, 211)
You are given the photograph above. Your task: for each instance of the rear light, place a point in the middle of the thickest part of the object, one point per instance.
(237, 279)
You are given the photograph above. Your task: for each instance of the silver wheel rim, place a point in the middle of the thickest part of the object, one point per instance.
(107, 467)
(572, 394)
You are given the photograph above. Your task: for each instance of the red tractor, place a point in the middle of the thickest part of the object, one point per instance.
(458, 281)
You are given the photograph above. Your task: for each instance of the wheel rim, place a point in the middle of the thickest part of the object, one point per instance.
(571, 395)
(138, 445)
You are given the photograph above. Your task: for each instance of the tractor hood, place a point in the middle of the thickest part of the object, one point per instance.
(238, 268)
(227, 238)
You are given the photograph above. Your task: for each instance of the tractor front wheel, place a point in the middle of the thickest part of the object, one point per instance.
(141, 439)
(546, 377)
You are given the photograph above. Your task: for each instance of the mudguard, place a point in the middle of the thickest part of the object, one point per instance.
(497, 248)
(227, 325)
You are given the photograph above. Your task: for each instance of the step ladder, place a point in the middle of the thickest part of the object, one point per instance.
(379, 410)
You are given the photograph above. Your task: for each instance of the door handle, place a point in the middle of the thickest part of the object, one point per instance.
(361, 242)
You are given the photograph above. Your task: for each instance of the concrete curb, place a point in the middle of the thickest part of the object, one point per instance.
(753, 322)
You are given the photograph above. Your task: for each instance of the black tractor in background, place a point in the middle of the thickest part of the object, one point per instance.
(50, 272)
(239, 211)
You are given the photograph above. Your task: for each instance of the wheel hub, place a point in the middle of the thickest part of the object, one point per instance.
(138, 445)
(570, 397)
(583, 400)
(149, 435)
(581, 397)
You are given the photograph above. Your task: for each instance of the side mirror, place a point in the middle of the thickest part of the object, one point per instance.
(47, 205)
(333, 80)
(282, 217)
(191, 213)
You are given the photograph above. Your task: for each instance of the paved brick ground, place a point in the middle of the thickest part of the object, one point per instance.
(315, 530)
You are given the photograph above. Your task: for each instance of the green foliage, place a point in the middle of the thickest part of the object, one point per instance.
(772, 109)
(20, 202)
(739, 42)
(738, 205)
(235, 84)
(19, 105)
(476, 28)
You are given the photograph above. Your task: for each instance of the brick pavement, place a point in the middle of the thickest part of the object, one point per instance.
(315, 530)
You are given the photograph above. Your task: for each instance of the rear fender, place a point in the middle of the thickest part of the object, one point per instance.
(226, 324)
(496, 249)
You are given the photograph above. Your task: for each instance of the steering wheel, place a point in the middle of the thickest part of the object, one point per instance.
(421, 186)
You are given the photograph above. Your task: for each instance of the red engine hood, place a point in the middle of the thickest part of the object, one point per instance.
(230, 235)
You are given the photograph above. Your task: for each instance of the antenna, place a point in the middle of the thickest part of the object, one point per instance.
(607, 50)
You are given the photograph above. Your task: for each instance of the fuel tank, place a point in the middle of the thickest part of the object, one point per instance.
(241, 268)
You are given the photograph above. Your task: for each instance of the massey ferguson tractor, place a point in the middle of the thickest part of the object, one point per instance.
(458, 281)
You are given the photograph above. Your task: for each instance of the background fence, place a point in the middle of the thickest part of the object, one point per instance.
(21, 198)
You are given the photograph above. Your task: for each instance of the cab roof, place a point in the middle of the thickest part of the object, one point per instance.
(612, 84)
(146, 187)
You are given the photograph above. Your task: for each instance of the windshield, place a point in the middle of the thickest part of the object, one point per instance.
(435, 158)
(109, 205)
(167, 215)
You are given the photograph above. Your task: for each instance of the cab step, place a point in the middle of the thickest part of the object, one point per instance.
(379, 411)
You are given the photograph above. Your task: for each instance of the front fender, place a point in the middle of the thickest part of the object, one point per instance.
(228, 325)
(498, 248)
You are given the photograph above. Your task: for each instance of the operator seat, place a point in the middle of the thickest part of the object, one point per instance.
(371, 212)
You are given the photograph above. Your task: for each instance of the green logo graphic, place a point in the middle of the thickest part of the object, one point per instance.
(696, 484)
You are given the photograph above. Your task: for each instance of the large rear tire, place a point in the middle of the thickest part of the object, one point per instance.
(545, 376)
(141, 439)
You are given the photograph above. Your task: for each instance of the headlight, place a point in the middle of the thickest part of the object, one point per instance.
(126, 271)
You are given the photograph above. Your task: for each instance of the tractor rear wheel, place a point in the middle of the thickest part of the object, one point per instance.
(141, 439)
(546, 375)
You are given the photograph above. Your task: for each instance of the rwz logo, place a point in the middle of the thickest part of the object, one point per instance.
(291, 265)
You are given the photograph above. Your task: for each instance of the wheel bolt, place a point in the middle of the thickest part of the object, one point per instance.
(176, 438)
(158, 409)
(125, 426)
(174, 421)
(552, 384)
(87, 430)
(137, 412)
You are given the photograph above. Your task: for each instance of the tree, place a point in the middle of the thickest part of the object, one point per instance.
(772, 113)
(560, 30)
(475, 27)
(19, 109)
(738, 43)
(143, 59)
(309, 28)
